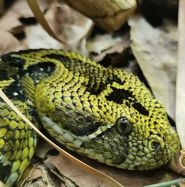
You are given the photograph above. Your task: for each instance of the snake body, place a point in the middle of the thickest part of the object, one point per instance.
(106, 114)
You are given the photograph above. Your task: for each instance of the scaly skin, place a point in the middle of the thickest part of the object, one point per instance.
(17, 140)
(103, 113)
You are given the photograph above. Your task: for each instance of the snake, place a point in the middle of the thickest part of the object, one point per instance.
(104, 113)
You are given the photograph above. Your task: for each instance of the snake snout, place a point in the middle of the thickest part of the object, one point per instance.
(172, 140)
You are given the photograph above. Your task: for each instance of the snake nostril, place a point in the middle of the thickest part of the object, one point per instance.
(156, 145)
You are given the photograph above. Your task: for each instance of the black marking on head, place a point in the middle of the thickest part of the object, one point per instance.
(95, 89)
(15, 91)
(118, 95)
(140, 108)
(95, 86)
(34, 114)
(116, 79)
(7, 72)
(40, 71)
(41, 67)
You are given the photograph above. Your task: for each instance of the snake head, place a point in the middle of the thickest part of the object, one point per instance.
(140, 145)
(151, 140)
(104, 113)
(151, 143)
(141, 136)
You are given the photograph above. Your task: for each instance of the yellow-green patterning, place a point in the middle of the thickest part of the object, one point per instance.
(106, 114)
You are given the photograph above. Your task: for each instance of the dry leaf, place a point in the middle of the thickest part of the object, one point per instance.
(25, 9)
(109, 15)
(175, 166)
(104, 44)
(182, 183)
(156, 52)
(101, 43)
(37, 38)
(8, 42)
(68, 25)
(2, 185)
(37, 176)
(72, 171)
(10, 19)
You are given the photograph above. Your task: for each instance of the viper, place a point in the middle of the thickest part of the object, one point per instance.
(106, 114)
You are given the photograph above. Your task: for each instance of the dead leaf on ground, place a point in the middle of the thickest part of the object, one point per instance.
(109, 15)
(182, 183)
(11, 20)
(37, 176)
(68, 24)
(156, 52)
(101, 45)
(8, 42)
(76, 174)
(175, 165)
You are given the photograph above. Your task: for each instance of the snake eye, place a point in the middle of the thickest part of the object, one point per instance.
(124, 126)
